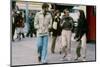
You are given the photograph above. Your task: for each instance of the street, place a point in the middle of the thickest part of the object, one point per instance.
(24, 52)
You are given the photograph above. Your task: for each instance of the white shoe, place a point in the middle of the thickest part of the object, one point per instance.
(66, 58)
(80, 59)
(69, 57)
(83, 59)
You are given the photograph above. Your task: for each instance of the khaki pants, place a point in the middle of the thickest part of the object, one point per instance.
(66, 41)
(53, 43)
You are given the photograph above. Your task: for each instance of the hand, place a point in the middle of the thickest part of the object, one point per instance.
(75, 37)
(78, 39)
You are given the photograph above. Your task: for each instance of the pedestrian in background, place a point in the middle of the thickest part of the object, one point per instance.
(13, 23)
(56, 30)
(31, 26)
(19, 25)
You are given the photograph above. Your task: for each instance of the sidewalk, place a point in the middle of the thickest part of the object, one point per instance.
(25, 52)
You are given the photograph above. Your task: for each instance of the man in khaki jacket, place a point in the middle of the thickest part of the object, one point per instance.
(42, 22)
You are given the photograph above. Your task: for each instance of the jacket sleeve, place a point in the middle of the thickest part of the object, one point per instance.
(36, 21)
(72, 22)
(50, 24)
(61, 24)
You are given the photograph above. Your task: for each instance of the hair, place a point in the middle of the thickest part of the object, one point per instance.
(45, 5)
(82, 15)
(57, 11)
(66, 10)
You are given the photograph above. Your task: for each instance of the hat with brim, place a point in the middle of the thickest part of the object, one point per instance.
(76, 7)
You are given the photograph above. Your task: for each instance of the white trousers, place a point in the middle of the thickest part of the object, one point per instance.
(19, 30)
(66, 40)
(83, 45)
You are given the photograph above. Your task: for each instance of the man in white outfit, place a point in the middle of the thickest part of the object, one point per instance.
(67, 26)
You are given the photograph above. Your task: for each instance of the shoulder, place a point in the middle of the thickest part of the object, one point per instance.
(48, 13)
(70, 18)
(63, 16)
(38, 13)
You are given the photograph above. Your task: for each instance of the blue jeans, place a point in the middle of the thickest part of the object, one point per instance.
(42, 43)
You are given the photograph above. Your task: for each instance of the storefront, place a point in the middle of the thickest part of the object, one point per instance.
(91, 19)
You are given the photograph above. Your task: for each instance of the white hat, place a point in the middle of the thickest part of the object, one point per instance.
(76, 7)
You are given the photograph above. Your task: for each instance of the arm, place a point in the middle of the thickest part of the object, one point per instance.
(61, 24)
(72, 23)
(23, 22)
(50, 24)
(36, 21)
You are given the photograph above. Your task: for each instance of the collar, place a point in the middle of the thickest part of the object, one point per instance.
(41, 12)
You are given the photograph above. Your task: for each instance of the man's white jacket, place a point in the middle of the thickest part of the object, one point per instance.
(42, 23)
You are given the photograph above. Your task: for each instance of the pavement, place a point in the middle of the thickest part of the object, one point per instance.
(24, 52)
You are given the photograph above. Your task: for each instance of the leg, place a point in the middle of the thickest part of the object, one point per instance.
(78, 49)
(18, 33)
(53, 44)
(69, 34)
(27, 35)
(31, 33)
(59, 43)
(83, 46)
(22, 32)
(13, 31)
(23, 35)
(34, 31)
(64, 42)
(39, 44)
(44, 49)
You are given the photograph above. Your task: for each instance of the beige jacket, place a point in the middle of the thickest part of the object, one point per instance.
(42, 24)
